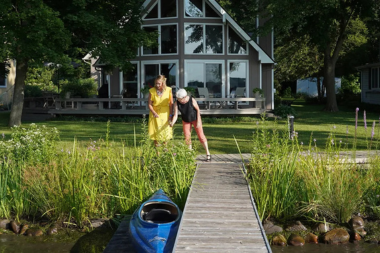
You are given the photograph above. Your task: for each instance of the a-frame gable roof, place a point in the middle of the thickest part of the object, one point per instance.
(263, 56)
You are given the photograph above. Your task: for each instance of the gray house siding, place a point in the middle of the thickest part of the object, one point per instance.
(268, 90)
(364, 84)
(369, 95)
(259, 75)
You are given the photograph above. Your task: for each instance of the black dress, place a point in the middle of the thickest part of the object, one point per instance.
(188, 113)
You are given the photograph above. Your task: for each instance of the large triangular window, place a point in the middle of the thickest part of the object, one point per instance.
(236, 45)
(163, 9)
(199, 8)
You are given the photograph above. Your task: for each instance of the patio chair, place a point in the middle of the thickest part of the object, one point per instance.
(68, 104)
(239, 93)
(49, 99)
(116, 105)
(203, 93)
(124, 94)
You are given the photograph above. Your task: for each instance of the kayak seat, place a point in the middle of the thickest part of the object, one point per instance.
(159, 216)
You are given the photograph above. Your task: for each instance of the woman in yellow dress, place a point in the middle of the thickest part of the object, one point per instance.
(160, 106)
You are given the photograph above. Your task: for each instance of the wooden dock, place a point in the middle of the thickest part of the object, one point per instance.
(220, 214)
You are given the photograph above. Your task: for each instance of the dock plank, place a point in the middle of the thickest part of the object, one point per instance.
(219, 214)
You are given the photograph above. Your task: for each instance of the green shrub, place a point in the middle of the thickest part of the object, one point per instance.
(83, 87)
(32, 91)
(258, 90)
(284, 110)
(190, 91)
(288, 92)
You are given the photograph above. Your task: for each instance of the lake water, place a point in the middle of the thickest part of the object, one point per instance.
(97, 240)
(359, 247)
(65, 242)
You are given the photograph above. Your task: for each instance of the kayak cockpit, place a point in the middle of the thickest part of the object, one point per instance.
(159, 212)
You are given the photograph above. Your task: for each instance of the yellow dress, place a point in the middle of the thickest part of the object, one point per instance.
(159, 128)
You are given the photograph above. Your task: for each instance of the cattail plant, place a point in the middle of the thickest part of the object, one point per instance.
(356, 124)
(372, 133)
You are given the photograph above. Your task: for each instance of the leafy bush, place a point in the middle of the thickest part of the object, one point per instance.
(350, 85)
(284, 110)
(277, 99)
(258, 90)
(31, 143)
(83, 87)
(32, 91)
(190, 91)
(288, 92)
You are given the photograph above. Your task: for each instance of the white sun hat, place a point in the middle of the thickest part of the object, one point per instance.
(181, 93)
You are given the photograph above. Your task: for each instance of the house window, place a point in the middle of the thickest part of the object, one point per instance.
(167, 68)
(375, 78)
(236, 45)
(202, 38)
(238, 76)
(130, 82)
(167, 40)
(153, 49)
(163, 9)
(3, 80)
(205, 74)
(199, 8)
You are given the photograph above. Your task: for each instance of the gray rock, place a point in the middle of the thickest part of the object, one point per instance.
(322, 227)
(24, 228)
(279, 240)
(15, 227)
(34, 232)
(4, 224)
(357, 225)
(296, 240)
(52, 230)
(98, 223)
(311, 238)
(296, 227)
(270, 228)
(337, 236)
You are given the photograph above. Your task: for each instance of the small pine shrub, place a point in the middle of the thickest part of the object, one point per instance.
(284, 110)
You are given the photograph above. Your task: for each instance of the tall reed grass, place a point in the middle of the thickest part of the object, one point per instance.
(291, 180)
(89, 180)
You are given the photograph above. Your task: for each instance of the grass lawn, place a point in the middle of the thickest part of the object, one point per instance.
(310, 123)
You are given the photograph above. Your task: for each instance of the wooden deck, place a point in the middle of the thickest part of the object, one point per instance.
(138, 106)
(220, 214)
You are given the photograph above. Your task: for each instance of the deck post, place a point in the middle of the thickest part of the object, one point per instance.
(291, 126)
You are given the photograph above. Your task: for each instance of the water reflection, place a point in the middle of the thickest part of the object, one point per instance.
(66, 242)
(360, 247)
(24, 244)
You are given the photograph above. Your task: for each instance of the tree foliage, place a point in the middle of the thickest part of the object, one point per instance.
(49, 31)
(333, 26)
(324, 30)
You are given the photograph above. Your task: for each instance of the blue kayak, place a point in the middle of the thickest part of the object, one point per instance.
(154, 225)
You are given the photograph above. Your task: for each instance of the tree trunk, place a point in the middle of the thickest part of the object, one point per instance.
(329, 83)
(319, 88)
(18, 94)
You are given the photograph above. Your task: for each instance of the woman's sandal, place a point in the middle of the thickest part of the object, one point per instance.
(208, 158)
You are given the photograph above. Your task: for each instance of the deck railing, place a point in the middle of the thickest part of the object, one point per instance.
(140, 105)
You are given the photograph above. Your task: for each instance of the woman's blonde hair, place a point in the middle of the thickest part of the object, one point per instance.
(161, 78)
